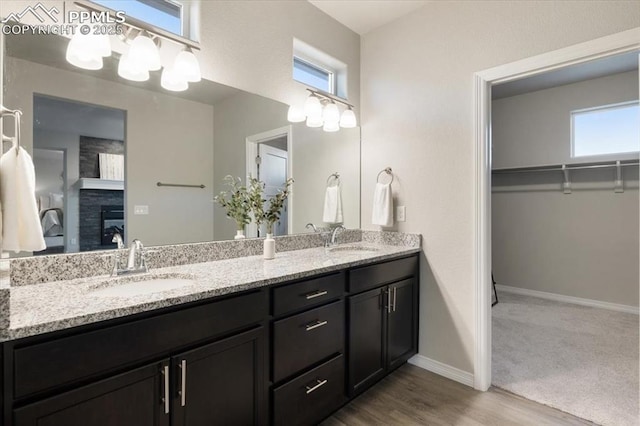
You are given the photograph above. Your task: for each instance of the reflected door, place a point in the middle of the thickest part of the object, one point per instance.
(273, 172)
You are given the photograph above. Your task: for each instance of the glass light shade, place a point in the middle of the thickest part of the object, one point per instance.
(145, 52)
(187, 64)
(132, 70)
(103, 45)
(173, 81)
(314, 122)
(313, 107)
(295, 114)
(331, 126)
(331, 113)
(348, 119)
(84, 51)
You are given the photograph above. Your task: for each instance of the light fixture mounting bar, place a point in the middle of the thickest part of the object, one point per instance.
(328, 96)
(140, 25)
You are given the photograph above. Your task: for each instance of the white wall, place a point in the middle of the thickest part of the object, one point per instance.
(417, 116)
(535, 128)
(156, 148)
(585, 244)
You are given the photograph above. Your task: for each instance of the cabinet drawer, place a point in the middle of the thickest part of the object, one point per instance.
(306, 338)
(311, 397)
(44, 366)
(368, 277)
(306, 294)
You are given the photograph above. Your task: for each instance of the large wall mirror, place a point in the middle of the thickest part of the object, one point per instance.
(100, 145)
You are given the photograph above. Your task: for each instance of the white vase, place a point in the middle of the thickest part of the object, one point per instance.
(269, 247)
(239, 234)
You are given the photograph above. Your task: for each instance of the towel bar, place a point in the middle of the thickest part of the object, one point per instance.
(180, 185)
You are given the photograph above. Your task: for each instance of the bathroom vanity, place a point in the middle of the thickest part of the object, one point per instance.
(289, 342)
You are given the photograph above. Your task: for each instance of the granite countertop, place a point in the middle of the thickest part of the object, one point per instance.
(41, 308)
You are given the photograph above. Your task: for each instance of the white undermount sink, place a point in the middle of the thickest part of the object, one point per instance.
(353, 249)
(142, 284)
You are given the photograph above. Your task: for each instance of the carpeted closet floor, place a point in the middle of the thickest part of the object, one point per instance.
(578, 359)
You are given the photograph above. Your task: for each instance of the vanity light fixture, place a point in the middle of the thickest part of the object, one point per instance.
(321, 110)
(87, 50)
(141, 55)
(144, 53)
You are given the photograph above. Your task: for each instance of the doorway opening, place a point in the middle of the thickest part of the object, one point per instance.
(624, 42)
(269, 160)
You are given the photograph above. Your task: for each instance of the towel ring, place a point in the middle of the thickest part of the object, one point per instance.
(387, 171)
(335, 176)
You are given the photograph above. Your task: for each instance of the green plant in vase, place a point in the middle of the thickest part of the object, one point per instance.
(236, 202)
(276, 204)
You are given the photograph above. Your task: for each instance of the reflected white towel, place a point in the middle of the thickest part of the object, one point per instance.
(21, 228)
(382, 205)
(332, 205)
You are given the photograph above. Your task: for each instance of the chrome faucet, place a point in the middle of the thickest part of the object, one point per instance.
(334, 233)
(136, 262)
(311, 225)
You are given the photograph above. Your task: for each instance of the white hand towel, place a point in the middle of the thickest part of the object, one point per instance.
(382, 205)
(332, 205)
(21, 228)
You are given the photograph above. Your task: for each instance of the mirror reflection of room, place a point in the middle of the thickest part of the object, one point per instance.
(79, 163)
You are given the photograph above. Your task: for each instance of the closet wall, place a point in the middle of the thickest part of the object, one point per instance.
(583, 244)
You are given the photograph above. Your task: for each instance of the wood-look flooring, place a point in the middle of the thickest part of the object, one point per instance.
(413, 396)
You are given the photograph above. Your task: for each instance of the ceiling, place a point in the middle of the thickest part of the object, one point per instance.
(567, 75)
(363, 16)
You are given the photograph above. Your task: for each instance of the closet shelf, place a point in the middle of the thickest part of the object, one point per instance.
(564, 167)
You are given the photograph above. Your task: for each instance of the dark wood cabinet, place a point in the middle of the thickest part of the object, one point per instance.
(367, 333)
(289, 354)
(132, 398)
(383, 322)
(223, 383)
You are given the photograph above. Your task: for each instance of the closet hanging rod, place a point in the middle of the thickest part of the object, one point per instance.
(558, 168)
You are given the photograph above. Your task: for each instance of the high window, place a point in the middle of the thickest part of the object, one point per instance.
(168, 15)
(606, 130)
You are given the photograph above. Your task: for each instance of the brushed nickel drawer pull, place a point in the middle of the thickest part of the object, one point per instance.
(319, 384)
(316, 324)
(165, 399)
(395, 297)
(316, 294)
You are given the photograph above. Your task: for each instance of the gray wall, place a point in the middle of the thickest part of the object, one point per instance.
(583, 244)
(417, 117)
(534, 129)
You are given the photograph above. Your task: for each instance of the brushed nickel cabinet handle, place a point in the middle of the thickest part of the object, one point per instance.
(388, 293)
(316, 294)
(183, 383)
(166, 398)
(316, 324)
(395, 297)
(319, 384)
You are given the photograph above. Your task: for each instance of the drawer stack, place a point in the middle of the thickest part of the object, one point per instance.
(308, 373)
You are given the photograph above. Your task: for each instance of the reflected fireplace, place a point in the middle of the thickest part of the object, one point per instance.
(112, 222)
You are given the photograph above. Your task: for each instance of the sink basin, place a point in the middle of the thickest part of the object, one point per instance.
(142, 284)
(353, 249)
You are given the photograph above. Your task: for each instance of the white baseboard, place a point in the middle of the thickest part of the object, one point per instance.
(569, 299)
(442, 369)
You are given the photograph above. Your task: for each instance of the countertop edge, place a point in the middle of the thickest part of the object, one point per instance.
(93, 318)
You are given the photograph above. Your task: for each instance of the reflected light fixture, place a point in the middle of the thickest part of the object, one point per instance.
(173, 80)
(327, 117)
(87, 50)
(186, 64)
(132, 70)
(142, 53)
(145, 53)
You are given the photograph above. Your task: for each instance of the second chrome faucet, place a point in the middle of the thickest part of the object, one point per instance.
(136, 260)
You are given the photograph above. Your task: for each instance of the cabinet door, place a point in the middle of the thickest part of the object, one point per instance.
(401, 323)
(367, 337)
(132, 398)
(222, 383)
